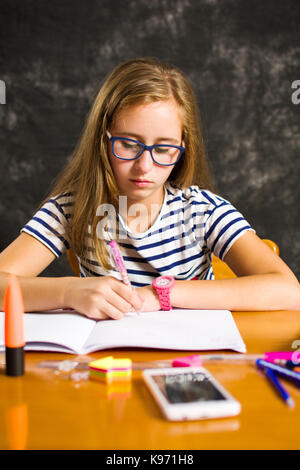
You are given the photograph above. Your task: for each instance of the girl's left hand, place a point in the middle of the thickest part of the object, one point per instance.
(151, 300)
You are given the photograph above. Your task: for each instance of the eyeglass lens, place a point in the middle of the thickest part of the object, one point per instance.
(163, 155)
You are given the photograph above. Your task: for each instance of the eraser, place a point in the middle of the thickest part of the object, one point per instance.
(188, 361)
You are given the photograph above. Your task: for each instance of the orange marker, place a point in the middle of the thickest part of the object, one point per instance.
(14, 328)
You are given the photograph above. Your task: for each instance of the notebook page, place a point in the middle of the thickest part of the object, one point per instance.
(54, 329)
(180, 329)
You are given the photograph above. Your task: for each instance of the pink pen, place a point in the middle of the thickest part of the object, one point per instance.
(119, 262)
(120, 265)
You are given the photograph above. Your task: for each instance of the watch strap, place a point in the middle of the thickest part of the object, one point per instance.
(164, 299)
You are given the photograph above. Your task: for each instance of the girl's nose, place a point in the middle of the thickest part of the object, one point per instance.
(144, 162)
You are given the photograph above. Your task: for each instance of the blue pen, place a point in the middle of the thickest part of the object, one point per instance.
(287, 363)
(282, 371)
(280, 389)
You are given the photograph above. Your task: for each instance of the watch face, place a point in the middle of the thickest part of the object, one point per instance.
(163, 282)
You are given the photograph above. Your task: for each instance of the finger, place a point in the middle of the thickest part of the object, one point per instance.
(95, 314)
(125, 292)
(112, 312)
(122, 289)
(137, 301)
(129, 294)
(120, 303)
(107, 312)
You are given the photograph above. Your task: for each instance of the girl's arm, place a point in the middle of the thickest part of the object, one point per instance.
(26, 258)
(95, 297)
(264, 282)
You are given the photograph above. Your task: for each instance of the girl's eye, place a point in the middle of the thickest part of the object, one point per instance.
(128, 145)
(162, 149)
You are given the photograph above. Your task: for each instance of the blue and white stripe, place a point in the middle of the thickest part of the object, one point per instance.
(191, 225)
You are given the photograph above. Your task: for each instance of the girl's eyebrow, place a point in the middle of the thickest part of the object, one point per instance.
(141, 138)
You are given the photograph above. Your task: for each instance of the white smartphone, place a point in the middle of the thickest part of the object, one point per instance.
(190, 393)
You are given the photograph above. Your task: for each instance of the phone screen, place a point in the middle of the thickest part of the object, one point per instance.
(187, 387)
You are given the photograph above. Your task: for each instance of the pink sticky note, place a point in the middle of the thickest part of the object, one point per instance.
(188, 361)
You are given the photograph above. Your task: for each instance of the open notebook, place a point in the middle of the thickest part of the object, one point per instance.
(70, 332)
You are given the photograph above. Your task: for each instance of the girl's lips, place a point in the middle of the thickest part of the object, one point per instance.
(141, 182)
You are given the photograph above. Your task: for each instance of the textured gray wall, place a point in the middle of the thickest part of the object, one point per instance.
(241, 57)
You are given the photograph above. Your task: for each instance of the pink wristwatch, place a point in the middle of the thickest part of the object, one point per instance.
(163, 286)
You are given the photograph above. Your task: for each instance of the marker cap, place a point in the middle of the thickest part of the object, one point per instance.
(14, 358)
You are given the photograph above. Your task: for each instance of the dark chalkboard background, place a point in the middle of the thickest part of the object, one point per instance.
(241, 56)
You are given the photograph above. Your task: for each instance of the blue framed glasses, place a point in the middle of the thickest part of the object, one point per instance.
(130, 149)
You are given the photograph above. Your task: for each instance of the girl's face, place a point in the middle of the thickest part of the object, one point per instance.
(159, 122)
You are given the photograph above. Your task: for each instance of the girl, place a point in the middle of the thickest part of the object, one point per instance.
(132, 177)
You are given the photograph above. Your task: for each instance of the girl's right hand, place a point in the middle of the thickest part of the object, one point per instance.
(101, 298)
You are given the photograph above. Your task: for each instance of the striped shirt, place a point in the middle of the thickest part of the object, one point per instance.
(192, 225)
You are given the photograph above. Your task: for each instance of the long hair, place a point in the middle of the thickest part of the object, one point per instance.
(88, 173)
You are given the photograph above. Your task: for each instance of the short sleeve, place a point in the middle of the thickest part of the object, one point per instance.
(224, 225)
(50, 224)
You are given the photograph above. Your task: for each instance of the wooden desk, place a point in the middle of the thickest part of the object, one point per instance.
(42, 410)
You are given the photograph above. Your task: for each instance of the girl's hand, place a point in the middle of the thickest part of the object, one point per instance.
(151, 300)
(101, 298)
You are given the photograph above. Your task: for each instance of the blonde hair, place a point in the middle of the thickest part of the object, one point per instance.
(88, 173)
